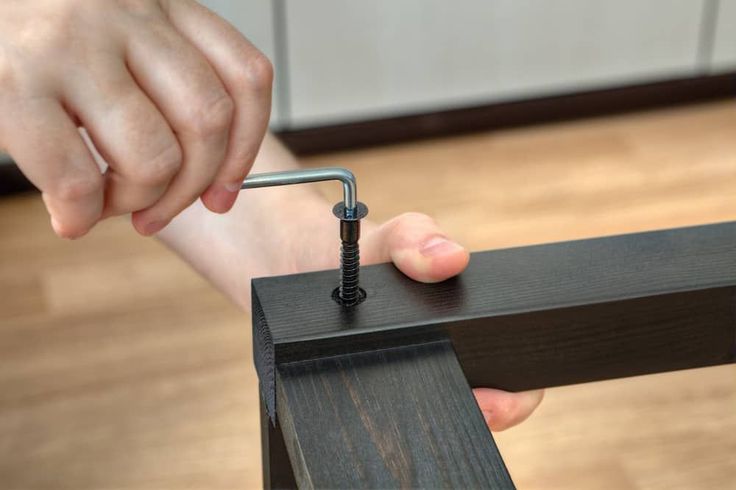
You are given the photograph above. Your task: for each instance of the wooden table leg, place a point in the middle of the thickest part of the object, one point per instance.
(402, 417)
(277, 472)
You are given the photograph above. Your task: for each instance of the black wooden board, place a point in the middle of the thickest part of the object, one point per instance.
(394, 418)
(526, 317)
(277, 472)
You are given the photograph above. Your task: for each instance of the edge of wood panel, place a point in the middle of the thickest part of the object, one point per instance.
(610, 307)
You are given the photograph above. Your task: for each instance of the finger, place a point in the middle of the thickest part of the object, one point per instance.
(417, 246)
(43, 139)
(247, 75)
(502, 409)
(129, 132)
(194, 101)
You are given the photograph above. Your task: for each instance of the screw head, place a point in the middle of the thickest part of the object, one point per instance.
(341, 213)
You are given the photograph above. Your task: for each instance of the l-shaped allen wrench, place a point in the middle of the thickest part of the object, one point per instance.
(350, 211)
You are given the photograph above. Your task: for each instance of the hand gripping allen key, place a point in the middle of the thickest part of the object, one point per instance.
(350, 211)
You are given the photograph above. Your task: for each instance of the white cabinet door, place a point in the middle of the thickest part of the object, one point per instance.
(254, 19)
(355, 59)
(724, 48)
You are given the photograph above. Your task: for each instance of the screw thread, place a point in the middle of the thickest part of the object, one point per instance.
(349, 271)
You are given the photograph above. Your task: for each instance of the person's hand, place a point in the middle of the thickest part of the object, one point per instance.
(248, 242)
(419, 248)
(173, 98)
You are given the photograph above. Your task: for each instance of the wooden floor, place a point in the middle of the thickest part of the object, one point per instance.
(121, 369)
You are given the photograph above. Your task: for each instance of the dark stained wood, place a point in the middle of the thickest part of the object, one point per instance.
(508, 114)
(277, 472)
(393, 418)
(527, 317)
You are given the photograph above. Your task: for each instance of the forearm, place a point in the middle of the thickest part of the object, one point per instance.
(284, 230)
(268, 231)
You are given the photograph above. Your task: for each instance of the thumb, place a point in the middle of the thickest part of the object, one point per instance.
(417, 246)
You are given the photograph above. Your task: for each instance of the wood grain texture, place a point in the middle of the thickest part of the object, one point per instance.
(277, 471)
(528, 317)
(394, 418)
(147, 384)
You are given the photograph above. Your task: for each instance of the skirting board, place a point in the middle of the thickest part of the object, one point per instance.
(508, 114)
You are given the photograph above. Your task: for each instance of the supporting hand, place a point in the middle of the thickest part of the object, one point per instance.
(419, 248)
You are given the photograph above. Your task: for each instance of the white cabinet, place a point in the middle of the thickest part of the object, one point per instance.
(356, 59)
(724, 48)
(254, 19)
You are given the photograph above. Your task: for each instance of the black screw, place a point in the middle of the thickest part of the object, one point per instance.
(349, 212)
(349, 292)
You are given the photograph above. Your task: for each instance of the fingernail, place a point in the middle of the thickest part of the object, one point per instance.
(438, 245)
(222, 196)
(154, 227)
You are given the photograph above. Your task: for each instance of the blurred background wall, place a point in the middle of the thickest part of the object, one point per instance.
(341, 62)
(350, 60)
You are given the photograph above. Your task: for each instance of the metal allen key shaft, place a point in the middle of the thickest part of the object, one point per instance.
(350, 211)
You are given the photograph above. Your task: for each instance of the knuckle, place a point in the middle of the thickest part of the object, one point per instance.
(213, 118)
(160, 169)
(77, 188)
(50, 33)
(409, 220)
(258, 72)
